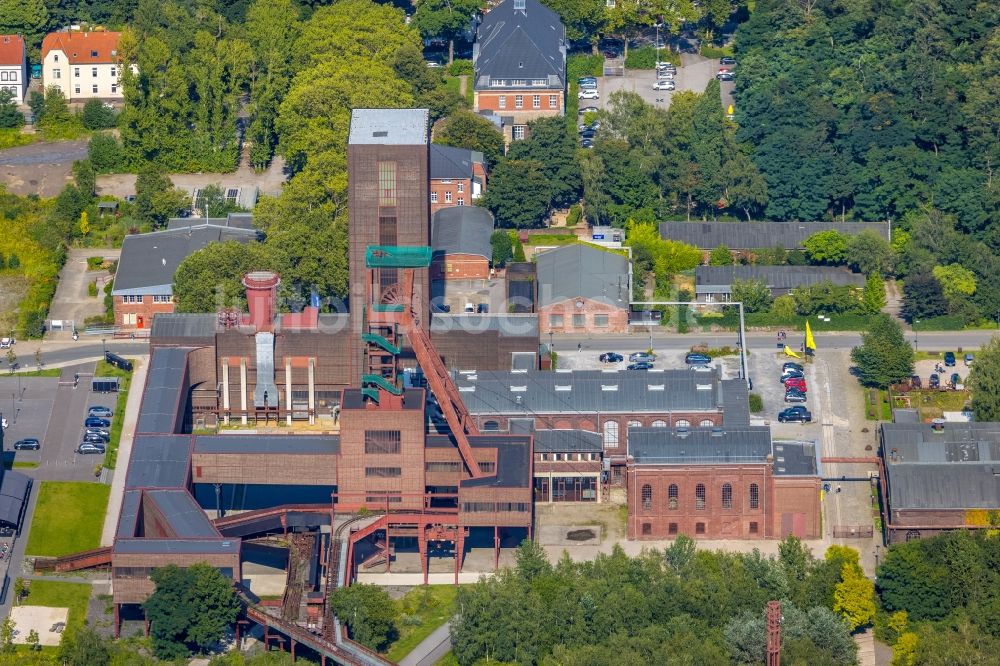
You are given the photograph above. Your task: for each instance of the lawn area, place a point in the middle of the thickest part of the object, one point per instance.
(51, 594)
(104, 369)
(447, 660)
(45, 372)
(552, 239)
(421, 611)
(933, 404)
(12, 138)
(68, 518)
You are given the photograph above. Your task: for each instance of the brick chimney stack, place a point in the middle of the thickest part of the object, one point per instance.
(262, 298)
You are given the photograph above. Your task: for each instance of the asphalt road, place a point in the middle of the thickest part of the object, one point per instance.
(85, 349)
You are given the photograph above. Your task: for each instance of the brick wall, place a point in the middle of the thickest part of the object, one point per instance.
(505, 103)
(251, 468)
(135, 316)
(796, 507)
(446, 192)
(566, 317)
(460, 267)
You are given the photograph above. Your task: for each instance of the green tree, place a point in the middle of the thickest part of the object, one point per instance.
(7, 628)
(105, 153)
(956, 280)
(518, 248)
(503, 248)
(368, 612)
(873, 297)
(519, 194)
(784, 306)
(827, 247)
(754, 295)
(212, 202)
(84, 647)
(84, 224)
(10, 116)
(854, 597)
(984, 380)
(209, 279)
(445, 19)
(885, 357)
(923, 297)
(96, 116)
(33, 641)
(156, 199)
(190, 609)
(743, 185)
(24, 17)
(869, 253)
(721, 256)
(464, 129)
(550, 143)
(85, 178)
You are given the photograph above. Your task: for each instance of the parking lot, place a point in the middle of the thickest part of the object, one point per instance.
(588, 358)
(51, 410)
(456, 294)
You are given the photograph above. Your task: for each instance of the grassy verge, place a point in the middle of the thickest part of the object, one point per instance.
(68, 518)
(25, 465)
(104, 369)
(933, 404)
(552, 239)
(448, 659)
(46, 372)
(51, 594)
(421, 611)
(12, 138)
(877, 405)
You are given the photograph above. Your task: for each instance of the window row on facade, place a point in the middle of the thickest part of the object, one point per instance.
(448, 198)
(9, 76)
(699, 500)
(646, 529)
(568, 457)
(139, 298)
(536, 101)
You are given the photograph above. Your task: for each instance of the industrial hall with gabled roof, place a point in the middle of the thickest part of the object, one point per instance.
(392, 438)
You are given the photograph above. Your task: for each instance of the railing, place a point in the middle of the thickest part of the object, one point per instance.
(853, 531)
(251, 516)
(82, 560)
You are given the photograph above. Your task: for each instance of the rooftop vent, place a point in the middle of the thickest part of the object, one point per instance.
(380, 133)
(563, 387)
(516, 389)
(466, 389)
(703, 387)
(609, 387)
(656, 387)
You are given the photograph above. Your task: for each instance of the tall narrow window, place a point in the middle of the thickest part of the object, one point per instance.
(699, 496)
(386, 183)
(727, 496)
(611, 434)
(672, 497)
(754, 496)
(647, 497)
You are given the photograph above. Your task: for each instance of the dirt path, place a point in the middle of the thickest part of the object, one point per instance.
(268, 182)
(41, 168)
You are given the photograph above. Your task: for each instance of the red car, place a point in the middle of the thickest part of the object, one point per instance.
(795, 383)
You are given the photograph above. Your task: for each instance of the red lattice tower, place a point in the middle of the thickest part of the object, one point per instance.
(773, 633)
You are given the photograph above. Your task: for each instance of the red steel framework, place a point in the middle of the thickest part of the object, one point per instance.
(773, 633)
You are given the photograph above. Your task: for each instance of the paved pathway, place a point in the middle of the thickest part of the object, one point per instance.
(430, 650)
(124, 450)
(71, 301)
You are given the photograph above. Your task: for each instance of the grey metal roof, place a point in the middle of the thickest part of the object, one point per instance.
(159, 461)
(127, 518)
(955, 468)
(148, 261)
(568, 440)
(523, 361)
(267, 444)
(719, 279)
(582, 270)
(186, 546)
(14, 491)
(184, 325)
(699, 446)
(462, 230)
(184, 515)
(756, 235)
(520, 44)
(513, 461)
(794, 458)
(389, 127)
(448, 162)
(735, 403)
(506, 324)
(588, 391)
(162, 395)
(233, 220)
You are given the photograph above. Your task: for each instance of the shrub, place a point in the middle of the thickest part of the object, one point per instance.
(96, 116)
(644, 57)
(105, 154)
(756, 403)
(92, 289)
(575, 213)
(715, 51)
(460, 67)
(583, 65)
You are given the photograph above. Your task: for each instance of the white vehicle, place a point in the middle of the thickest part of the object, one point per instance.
(7, 343)
(664, 85)
(665, 74)
(588, 94)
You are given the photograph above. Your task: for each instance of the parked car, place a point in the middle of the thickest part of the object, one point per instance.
(955, 380)
(725, 76)
(7, 343)
(587, 109)
(915, 381)
(94, 439)
(586, 79)
(100, 412)
(589, 85)
(795, 396)
(641, 365)
(791, 364)
(636, 357)
(586, 143)
(949, 359)
(588, 134)
(662, 74)
(797, 383)
(88, 447)
(797, 414)
(727, 60)
(968, 359)
(791, 373)
(701, 368)
(29, 444)
(664, 85)
(97, 432)
(611, 357)
(935, 381)
(588, 94)
(94, 422)
(694, 358)
(483, 308)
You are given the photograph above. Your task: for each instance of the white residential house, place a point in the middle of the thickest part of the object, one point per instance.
(13, 66)
(83, 65)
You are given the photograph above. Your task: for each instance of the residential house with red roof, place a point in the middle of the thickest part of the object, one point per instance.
(83, 65)
(13, 66)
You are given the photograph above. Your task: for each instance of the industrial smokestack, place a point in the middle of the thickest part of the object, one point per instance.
(262, 297)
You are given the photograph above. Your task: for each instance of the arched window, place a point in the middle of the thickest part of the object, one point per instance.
(647, 497)
(611, 434)
(658, 423)
(707, 423)
(699, 496)
(754, 496)
(672, 497)
(683, 423)
(727, 496)
(491, 425)
(634, 424)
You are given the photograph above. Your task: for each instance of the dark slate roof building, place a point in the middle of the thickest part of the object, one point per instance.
(759, 235)
(462, 230)
(712, 282)
(448, 162)
(520, 41)
(582, 271)
(148, 261)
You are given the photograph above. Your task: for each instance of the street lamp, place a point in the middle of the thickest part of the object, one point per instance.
(916, 335)
(104, 348)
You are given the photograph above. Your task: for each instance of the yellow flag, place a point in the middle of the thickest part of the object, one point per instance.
(810, 342)
(789, 352)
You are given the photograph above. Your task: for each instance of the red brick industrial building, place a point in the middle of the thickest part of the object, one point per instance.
(460, 237)
(458, 177)
(583, 289)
